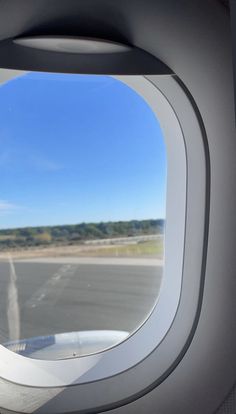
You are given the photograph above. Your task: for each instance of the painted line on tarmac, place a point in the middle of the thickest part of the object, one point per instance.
(62, 276)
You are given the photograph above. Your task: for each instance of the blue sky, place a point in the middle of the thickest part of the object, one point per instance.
(78, 148)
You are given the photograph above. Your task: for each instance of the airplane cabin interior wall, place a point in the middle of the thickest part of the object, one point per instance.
(190, 43)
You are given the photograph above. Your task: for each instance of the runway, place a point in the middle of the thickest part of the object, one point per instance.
(45, 297)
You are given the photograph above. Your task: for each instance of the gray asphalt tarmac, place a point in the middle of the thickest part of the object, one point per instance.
(47, 298)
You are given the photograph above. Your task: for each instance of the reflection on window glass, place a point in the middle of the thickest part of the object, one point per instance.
(82, 213)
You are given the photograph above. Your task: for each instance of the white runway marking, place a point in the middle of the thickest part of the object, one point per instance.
(62, 275)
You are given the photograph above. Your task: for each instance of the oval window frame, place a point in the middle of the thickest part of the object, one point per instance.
(168, 89)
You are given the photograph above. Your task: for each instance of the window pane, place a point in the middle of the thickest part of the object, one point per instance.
(82, 207)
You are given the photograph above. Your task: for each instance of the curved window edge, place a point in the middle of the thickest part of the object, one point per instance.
(171, 349)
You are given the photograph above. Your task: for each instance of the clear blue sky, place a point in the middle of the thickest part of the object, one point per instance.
(78, 148)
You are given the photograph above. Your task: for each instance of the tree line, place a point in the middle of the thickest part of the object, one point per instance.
(77, 233)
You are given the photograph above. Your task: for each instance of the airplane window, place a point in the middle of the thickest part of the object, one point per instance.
(83, 198)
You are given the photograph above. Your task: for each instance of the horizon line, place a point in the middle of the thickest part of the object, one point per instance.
(77, 224)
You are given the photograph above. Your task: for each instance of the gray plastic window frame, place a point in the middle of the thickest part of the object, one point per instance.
(42, 373)
(72, 381)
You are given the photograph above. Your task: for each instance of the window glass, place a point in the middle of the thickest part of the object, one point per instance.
(82, 213)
